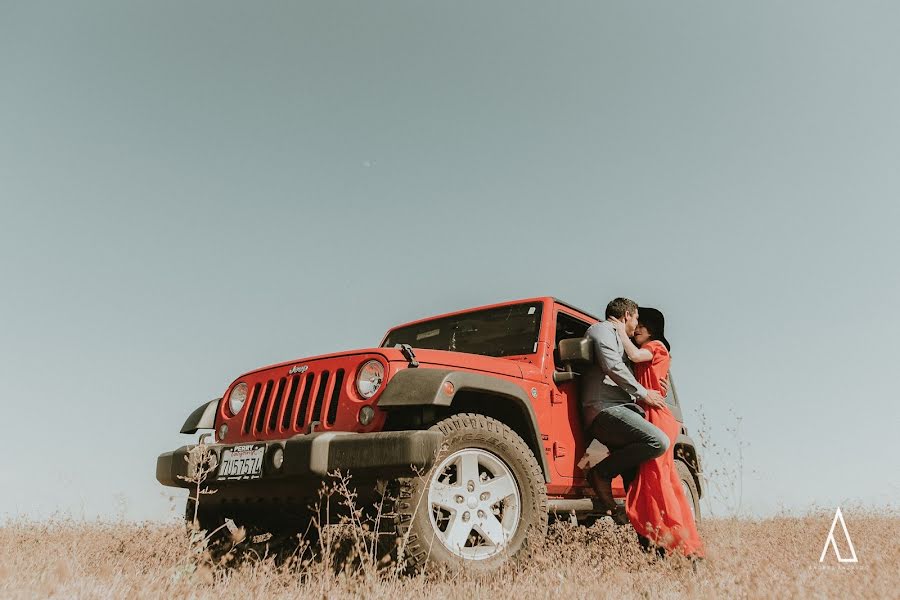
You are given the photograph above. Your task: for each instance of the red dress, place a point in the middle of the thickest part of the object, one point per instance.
(656, 504)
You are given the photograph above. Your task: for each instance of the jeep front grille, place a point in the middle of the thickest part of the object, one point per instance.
(290, 404)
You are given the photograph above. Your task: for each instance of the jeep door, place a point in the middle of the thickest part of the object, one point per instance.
(569, 440)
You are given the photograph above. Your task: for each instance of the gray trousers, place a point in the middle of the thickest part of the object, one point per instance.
(631, 440)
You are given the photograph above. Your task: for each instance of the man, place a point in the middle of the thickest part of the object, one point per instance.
(611, 403)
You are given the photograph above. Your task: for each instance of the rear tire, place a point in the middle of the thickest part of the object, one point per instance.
(483, 503)
(689, 485)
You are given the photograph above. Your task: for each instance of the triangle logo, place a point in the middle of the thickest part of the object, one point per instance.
(830, 541)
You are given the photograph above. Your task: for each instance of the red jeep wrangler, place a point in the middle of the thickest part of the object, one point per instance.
(472, 417)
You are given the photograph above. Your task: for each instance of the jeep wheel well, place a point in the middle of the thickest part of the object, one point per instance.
(502, 408)
(687, 454)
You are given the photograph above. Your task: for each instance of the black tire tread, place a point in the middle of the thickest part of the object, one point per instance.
(476, 427)
(684, 472)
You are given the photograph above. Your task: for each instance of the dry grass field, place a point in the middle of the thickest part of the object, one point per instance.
(775, 557)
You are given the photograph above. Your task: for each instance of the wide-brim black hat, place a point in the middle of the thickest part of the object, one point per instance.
(656, 322)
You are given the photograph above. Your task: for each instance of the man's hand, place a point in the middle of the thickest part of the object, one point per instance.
(664, 384)
(654, 399)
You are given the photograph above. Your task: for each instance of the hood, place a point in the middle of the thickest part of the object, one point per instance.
(371, 352)
(460, 360)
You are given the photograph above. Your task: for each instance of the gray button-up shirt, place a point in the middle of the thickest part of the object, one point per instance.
(609, 381)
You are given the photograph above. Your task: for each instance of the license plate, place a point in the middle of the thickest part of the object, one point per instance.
(242, 462)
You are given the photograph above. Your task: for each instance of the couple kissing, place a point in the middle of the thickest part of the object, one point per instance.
(626, 411)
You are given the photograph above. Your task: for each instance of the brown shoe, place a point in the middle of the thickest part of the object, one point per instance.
(620, 516)
(603, 489)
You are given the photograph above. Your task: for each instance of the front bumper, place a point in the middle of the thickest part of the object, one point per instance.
(380, 455)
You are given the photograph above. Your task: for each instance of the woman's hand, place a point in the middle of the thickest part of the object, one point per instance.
(620, 328)
(634, 353)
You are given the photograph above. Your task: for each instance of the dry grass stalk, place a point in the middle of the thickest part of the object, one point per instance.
(774, 557)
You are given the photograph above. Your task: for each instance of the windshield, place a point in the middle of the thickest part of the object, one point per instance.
(505, 331)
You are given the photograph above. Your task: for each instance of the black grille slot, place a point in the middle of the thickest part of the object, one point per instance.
(291, 400)
(335, 396)
(320, 396)
(308, 382)
(276, 404)
(251, 404)
(263, 405)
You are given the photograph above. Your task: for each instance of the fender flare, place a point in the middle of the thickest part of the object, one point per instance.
(425, 387)
(688, 442)
(203, 417)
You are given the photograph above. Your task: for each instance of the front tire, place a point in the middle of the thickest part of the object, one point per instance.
(482, 504)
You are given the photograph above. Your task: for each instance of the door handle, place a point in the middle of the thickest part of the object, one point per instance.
(559, 450)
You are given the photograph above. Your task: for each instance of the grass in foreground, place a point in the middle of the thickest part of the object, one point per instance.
(775, 557)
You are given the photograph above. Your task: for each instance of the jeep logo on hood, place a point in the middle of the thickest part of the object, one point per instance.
(298, 369)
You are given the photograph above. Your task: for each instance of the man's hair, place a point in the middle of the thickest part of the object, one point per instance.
(619, 306)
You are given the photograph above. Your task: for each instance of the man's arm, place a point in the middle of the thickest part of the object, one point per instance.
(609, 359)
(633, 353)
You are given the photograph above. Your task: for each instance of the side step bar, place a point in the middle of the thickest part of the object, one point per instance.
(579, 507)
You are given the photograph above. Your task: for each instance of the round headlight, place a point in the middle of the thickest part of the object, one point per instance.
(237, 398)
(371, 374)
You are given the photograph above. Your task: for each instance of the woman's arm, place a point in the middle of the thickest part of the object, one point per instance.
(634, 353)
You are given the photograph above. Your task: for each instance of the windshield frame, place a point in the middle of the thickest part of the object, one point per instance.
(539, 327)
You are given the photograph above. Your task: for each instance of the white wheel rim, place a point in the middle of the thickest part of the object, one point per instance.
(689, 496)
(474, 504)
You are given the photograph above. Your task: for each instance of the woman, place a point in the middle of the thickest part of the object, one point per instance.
(656, 504)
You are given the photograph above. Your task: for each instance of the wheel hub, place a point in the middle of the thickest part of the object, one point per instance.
(474, 503)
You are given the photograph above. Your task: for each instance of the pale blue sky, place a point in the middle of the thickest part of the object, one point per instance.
(191, 190)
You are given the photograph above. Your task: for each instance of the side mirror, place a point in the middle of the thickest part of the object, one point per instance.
(576, 350)
(572, 351)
